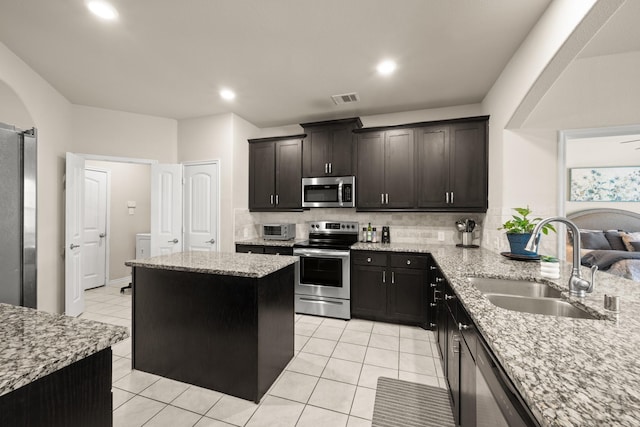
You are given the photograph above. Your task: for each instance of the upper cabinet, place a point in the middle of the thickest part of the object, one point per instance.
(328, 147)
(385, 170)
(435, 166)
(453, 166)
(275, 173)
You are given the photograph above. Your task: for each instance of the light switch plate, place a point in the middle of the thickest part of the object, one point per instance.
(441, 236)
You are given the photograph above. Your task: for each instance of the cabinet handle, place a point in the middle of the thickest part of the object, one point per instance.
(432, 267)
(433, 285)
(330, 168)
(439, 279)
(447, 197)
(452, 197)
(326, 168)
(408, 262)
(384, 276)
(271, 200)
(433, 304)
(382, 198)
(393, 277)
(277, 201)
(463, 327)
(368, 259)
(448, 297)
(386, 199)
(432, 325)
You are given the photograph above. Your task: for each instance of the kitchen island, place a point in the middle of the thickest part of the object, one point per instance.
(223, 321)
(570, 372)
(55, 370)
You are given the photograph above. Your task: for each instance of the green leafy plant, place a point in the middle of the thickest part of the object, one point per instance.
(548, 258)
(521, 224)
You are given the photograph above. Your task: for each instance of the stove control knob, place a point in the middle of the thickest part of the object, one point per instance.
(342, 226)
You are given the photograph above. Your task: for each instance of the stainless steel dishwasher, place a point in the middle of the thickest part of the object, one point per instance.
(498, 403)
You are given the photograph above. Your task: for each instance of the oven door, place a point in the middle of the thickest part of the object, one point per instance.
(323, 272)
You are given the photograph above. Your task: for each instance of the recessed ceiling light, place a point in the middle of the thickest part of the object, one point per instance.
(103, 10)
(386, 67)
(227, 94)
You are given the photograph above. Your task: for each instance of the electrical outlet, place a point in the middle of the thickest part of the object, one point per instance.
(441, 236)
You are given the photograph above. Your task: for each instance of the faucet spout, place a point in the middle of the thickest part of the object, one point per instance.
(577, 285)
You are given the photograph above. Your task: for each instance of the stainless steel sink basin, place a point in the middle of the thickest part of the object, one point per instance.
(524, 288)
(548, 306)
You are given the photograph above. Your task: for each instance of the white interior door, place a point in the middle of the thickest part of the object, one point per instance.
(74, 219)
(201, 207)
(94, 242)
(166, 209)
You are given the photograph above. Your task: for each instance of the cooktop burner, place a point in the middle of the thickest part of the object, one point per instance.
(330, 235)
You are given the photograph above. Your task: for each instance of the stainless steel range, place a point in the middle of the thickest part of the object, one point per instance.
(323, 284)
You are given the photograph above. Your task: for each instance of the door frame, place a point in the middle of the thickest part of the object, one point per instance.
(107, 219)
(198, 163)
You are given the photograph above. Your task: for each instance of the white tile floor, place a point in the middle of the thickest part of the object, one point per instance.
(331, 380)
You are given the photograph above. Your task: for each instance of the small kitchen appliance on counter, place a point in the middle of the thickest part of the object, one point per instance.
(386, 234)
(466, 227)
(278, 231)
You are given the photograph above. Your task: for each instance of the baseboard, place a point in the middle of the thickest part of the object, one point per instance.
(123, 281)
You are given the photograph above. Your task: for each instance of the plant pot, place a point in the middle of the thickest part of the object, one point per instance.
(517, 242)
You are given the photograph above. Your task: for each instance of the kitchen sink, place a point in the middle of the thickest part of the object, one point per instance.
(523, 288)
(548, 306)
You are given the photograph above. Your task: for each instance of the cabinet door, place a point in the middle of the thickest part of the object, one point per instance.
(317, 147)
(262, 175)
(398, 169)
(341, 158)
(467, 401)
(368, 291)
(433, 166)
(288, 180)
(249, 249)
(468, 173)
(370, 182)
(405, 295)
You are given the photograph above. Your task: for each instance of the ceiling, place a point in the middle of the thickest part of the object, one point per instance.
(283, 58)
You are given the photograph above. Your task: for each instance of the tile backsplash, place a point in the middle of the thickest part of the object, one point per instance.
(405, 227)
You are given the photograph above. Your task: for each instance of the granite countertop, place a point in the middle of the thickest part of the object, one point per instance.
(571, 372)
(269, 242)
(36, 343)
(223, 263)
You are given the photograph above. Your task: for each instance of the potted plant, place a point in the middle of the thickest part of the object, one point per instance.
(519, 229)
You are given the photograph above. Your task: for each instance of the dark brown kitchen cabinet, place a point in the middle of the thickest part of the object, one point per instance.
(389, 287)
(264, 249)
(385, 170)
(453, 166)
(275, 173)
(328, 147)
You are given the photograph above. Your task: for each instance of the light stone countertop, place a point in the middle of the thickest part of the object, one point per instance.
(35, 343)
(571, 372)
(223, 263)
(270, 242)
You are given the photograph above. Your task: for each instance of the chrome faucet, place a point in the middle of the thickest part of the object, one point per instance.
(578, 286)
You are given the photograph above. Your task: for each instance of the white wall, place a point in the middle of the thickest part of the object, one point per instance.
(12, 110)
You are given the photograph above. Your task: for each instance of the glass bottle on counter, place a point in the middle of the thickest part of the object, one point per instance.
(374, 236)
(364, 234)
(369, 233)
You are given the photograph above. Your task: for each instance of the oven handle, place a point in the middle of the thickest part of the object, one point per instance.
(340, 201)
(315, 301)
(321, 252)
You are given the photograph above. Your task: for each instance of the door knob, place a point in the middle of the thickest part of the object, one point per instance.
(173, 241)
(102, 235)
(72, 246)
(212, 241)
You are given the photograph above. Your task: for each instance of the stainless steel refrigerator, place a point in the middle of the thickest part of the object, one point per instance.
(18, 276)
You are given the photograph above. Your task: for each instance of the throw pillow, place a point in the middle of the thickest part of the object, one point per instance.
(627, 238)
(594, 240)
(615, 240)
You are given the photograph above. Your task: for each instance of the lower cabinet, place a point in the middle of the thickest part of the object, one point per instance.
(390, 287)
(264, 249)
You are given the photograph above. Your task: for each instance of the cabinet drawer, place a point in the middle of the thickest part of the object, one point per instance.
(409, 261)
(278, 250)
(253, 249)
(369, 258)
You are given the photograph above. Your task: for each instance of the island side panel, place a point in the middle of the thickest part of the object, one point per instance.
(276, 317)
(197, 328)
(76, 395)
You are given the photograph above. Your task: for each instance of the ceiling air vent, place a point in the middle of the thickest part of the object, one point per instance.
(345, 98)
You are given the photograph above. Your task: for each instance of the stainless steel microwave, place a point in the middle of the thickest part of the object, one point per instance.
(329, 192)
